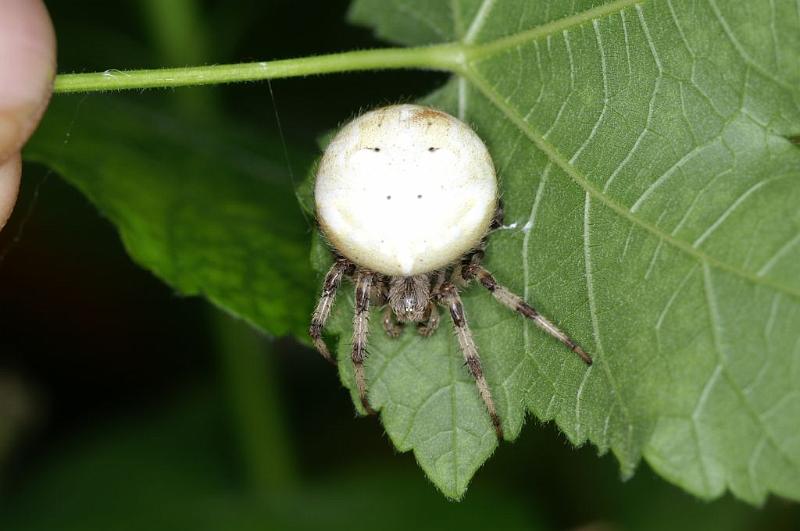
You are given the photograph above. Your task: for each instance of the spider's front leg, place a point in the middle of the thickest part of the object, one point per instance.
(430, 323)
(360, 332)
(449, 296)
(473, 270)
(323, 310)
(391, 326)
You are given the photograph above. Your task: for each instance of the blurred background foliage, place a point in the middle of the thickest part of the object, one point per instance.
(124, 406)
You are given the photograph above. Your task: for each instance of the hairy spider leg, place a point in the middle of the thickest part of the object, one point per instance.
(449, 295)
(390, 324)
(360, 333)
(518, 304)
(430, 323)
(323, 310)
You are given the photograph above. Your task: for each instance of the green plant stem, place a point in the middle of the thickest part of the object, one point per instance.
(246, 360)
(448, 57)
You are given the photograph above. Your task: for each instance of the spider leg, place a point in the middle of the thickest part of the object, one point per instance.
(323, 310)
(518, 304)
(390, 324)
(360, 332)
(428, 326)
(449, 296)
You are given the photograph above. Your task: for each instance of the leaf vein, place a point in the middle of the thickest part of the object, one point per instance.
(550, 28)
(653, 259)
(478, 21)
(722, 365)
(527, 229)
(650, 42)
(604, 75)
(645, 130)
(779, 254)
(663, 314)
(696, 200)
(587, 253)
(679, 28)
(728, 211)
(743, 53)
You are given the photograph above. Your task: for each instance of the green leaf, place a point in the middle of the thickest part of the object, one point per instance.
(651, 200)
(207, 209)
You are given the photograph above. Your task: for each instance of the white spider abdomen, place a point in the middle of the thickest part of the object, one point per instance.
(405, 190)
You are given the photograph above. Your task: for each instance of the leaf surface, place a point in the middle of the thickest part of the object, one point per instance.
(209, 210)
(651, 195)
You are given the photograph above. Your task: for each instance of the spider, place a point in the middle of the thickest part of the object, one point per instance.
(406, 196)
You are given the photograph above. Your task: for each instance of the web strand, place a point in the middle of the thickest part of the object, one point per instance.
(286, 155)
(29, 211)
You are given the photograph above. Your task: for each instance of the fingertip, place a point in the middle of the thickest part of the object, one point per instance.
(27, 70)
(10, 172)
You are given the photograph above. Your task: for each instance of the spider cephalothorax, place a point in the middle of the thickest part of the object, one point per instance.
(407, 195)
(409, 297)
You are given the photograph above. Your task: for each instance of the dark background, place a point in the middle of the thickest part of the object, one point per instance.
(117, 409)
